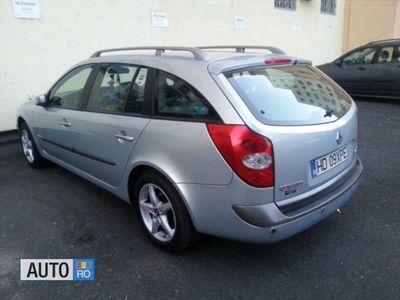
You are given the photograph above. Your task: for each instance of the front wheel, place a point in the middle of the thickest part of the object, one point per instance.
(162, 213)
(28, 146)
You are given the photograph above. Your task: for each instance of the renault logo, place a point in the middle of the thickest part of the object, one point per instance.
(339, 138)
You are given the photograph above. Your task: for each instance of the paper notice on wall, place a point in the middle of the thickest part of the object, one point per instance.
(26, 9)
(159, 19)
(296, 27)
(240, 23)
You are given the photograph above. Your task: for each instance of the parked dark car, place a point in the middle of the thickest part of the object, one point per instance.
(371, 70)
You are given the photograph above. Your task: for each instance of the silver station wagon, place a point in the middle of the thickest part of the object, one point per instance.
(239, 142)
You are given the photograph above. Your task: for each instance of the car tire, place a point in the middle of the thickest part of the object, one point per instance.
(162, 213)
(29, 148)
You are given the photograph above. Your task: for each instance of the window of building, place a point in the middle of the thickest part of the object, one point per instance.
(286, 4)
(177, 98)
(328, 7)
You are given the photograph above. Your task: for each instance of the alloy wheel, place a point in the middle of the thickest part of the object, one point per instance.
(27, 146)
(157, 212)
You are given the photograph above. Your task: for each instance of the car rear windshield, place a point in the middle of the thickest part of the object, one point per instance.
(290, 95)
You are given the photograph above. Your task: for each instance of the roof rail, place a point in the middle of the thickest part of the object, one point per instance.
(381, 41)
(160, 51)
(242, 49)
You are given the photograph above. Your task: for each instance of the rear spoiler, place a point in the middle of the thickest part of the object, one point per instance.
(217, 68)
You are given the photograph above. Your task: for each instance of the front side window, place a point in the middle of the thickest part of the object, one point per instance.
(68, 91)
(360, 57)
(177, 98)
(286, 4)
(111, 88)
(290, 95)
(328, 7)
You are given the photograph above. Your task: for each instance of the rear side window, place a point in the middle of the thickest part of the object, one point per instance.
(290, 95)
(389, 55)
(177, 98)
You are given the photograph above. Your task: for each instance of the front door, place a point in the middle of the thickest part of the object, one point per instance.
(54, 126)
(353, 71)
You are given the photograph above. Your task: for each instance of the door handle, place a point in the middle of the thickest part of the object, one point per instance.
(123, 137)
(64, 123)
(361, 68)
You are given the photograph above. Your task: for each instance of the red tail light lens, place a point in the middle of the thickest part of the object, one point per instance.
(249, 154)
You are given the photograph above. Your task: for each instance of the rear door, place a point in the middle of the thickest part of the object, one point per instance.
(385, 73)
(113, 121)
(309, 119)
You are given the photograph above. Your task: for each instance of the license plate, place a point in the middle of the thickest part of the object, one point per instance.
(327, 162)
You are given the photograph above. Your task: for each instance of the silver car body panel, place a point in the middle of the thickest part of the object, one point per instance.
(110, 154)
(222, 220)
(183, 161)
(184, 152)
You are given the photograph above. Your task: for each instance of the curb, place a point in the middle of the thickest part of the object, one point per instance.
(9, 137)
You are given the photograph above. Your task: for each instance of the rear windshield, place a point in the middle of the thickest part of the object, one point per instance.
(290, 95)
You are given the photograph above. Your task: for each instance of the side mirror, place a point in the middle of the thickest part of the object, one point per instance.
(41, 99)
(339, 63)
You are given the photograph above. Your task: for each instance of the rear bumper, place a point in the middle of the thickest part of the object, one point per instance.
(264, 223)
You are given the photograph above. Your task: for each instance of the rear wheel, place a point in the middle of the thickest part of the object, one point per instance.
(162, 213)
(31, 153)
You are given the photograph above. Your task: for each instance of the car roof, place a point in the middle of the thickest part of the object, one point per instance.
(388, 42)
(216, 59)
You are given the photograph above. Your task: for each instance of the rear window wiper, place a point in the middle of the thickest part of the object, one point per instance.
(328, 113)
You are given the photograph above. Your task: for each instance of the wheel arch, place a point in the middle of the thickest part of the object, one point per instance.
(20, 120)
(140, 169)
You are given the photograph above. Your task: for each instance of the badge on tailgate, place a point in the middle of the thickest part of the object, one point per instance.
(291, 188)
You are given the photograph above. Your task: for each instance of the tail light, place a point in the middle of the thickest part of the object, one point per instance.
(249, 154)
(277, 61)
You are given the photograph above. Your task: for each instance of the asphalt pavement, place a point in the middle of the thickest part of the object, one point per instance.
(354, 254)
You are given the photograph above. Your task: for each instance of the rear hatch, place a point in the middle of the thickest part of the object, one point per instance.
(310, 120)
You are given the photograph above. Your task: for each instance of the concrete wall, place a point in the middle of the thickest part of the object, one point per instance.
(370, 20)
(33, 53)
(396, 32)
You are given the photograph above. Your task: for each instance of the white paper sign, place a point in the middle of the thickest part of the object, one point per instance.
(159, 19)
(296, 27)
(26, 9)
(240, 23)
